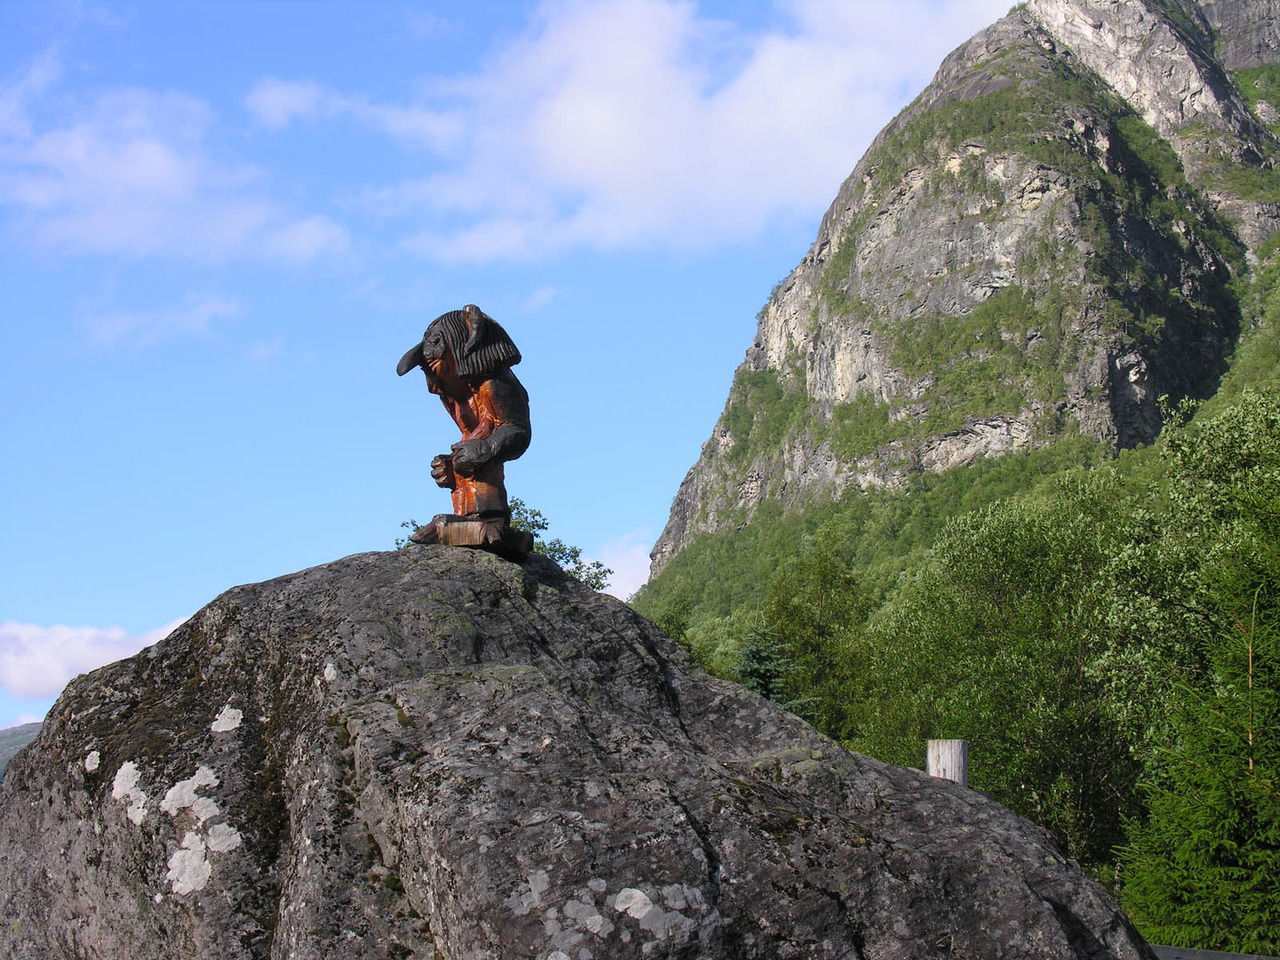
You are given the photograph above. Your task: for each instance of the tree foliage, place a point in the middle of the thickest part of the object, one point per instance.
(591, 572)
(1203, 865)
(1090, 636)
(991, 642)
(801, 655)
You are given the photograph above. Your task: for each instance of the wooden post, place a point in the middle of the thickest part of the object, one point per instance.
(949, 760)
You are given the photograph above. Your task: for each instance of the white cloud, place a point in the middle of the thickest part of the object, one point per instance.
(643, 123)
(304, 240)
(488, 239)
(261, 352)
(134, 172)
(128, 174)
(276, 103)
(425, 25)
(193, 317)
(606, 125)
(39, 661)
(30, 82)
(628, 558)
(427, 127)
(540, 298)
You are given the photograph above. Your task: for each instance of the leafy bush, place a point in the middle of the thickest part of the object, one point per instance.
(762, 411)
(861, 425)
(1258, 85)
(593, 573)
(991, 643)
(813, 609)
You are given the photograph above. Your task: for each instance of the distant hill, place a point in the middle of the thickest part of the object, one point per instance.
(13, 739)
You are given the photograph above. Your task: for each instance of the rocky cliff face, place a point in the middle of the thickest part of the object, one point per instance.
(1039, 246)
(1246, 32)
(438, 754)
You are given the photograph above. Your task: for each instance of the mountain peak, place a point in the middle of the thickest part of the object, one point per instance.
(1039, 247)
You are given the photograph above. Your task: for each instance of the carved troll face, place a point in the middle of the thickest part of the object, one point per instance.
(466, 343)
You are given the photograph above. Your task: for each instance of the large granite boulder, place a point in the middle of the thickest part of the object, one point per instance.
(435, 753)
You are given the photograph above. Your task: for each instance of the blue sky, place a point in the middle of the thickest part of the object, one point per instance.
(222, 223)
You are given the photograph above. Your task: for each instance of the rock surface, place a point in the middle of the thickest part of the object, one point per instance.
(1038, 247)
(435, 753)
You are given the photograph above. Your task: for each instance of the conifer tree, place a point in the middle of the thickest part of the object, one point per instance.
(1203, 869)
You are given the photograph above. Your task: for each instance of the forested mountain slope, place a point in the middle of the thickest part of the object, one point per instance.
(1052, 236)
(1003, 462)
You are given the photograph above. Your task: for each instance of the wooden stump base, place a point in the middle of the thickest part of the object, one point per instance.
(494, 534)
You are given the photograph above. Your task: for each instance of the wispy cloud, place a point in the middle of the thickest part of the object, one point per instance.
(645, 123)
(540, 298)
(425, 25)
(303, 240)
(39, 661)
(192, 317)
(276, 103)
(261, 352)
(62, 15)
(131, 172)
(619, 125)
(29, 82)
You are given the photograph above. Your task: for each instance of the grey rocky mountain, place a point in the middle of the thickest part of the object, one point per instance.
(1039, 246)
(434, 753)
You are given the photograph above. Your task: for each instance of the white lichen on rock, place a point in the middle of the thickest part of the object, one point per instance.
(91, 761)
(189, 869)
(520, 903)
(587, 917)
(223, 837)
(183, 795)
(633, 902)
(125, 789)
(653, 919)
(227, 720)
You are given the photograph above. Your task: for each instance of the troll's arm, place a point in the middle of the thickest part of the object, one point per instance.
(502, 402)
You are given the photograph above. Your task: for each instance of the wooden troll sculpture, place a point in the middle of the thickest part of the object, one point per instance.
(467, 358)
